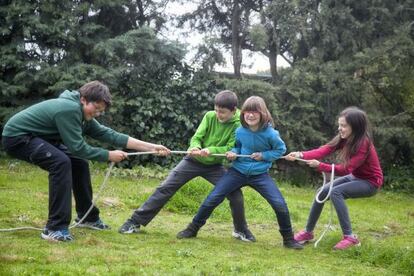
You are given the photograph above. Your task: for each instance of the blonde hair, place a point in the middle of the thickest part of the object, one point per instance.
(256, 103)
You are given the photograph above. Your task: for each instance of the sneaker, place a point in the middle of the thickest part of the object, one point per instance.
(347, 242)
(96, 225)
(292, 244)
(245, 235)
(129, 227)
(189, 232)
(303, 237)
(58, 235)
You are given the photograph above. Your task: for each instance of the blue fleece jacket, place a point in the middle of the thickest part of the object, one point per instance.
(266, 140)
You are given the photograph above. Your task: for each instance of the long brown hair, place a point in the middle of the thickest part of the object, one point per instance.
(256, 103)
(357, 119)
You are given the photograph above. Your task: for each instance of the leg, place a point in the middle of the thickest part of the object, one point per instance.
(265, 185)
(235, 199)
(82, 189)
(180, 175)
(356, 188)
(41, 153)
(316, 209)
(230, 182)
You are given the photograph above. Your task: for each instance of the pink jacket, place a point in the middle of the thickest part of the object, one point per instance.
(364, 164)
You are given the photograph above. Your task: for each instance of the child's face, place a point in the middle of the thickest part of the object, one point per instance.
(92, 109)
(223, 114)
(344, 128)
(252, 119)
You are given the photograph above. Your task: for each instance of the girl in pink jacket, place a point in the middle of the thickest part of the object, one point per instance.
(360, 171)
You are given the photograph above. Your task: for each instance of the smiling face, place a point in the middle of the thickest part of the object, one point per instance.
(344, 129)
(252, 119)
(92, 109)
(223, 114)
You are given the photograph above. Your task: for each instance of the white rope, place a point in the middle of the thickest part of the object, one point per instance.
(184, 152)
(21, 228)
(103, 185)
(320, 201)
(108, 173)
(329, 225)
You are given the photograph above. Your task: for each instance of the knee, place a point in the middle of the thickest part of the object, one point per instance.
(236, 197)
(279, 206)
(214, 200)
(336, 194)
(62, 163)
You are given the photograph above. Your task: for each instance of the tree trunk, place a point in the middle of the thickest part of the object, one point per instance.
(236, 43)
(273, 63)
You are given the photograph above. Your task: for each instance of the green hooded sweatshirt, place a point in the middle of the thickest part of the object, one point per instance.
(62, 119)
(215, 136)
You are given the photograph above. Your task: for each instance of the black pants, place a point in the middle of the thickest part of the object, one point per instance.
(66, 172)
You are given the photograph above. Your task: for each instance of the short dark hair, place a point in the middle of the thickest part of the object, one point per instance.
(226, 99)
(95, 91)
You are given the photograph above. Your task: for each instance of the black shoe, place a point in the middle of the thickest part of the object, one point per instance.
(189, 232)
(245, 235)
(292, 244)
(129, 227)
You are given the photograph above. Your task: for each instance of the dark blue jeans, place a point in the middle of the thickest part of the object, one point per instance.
(234, 180)
(66, 172)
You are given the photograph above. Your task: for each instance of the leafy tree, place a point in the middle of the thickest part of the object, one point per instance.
(229, 20)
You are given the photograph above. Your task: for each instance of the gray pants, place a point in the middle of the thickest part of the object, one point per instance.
(343, 188)
(186, 170)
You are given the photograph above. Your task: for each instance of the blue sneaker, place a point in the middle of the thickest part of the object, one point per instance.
(96, 225)
(56, 236)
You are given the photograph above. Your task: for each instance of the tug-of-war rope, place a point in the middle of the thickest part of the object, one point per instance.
(111, 165)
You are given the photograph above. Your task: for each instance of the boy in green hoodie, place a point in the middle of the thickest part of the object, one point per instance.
(215, 134)
(50, 135)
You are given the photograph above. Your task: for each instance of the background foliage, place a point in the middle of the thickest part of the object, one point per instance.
(341, 53)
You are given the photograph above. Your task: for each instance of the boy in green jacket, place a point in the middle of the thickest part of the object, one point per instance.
(50, 135)
(215, 134)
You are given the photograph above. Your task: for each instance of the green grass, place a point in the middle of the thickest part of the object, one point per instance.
(384, 223)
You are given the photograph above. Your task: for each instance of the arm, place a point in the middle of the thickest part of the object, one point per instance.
(355, 161)
(106, 134)
(139, 145)
(318, 153)
(237, 143)
(195, 142)
(69, 126)
(277, 150)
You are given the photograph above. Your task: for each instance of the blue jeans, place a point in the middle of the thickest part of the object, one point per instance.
(343, 188)
(234, 180)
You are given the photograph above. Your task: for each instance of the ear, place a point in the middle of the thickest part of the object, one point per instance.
(83, 101)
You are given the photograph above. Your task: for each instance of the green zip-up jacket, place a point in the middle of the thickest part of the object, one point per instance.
(215, 136)
(62, 119)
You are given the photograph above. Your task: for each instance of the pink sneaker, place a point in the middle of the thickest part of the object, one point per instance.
(347, 242)
(303, 237)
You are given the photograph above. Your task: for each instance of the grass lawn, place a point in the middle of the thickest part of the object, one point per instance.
(384, 223)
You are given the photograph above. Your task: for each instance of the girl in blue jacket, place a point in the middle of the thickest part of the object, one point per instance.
(262, 142)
